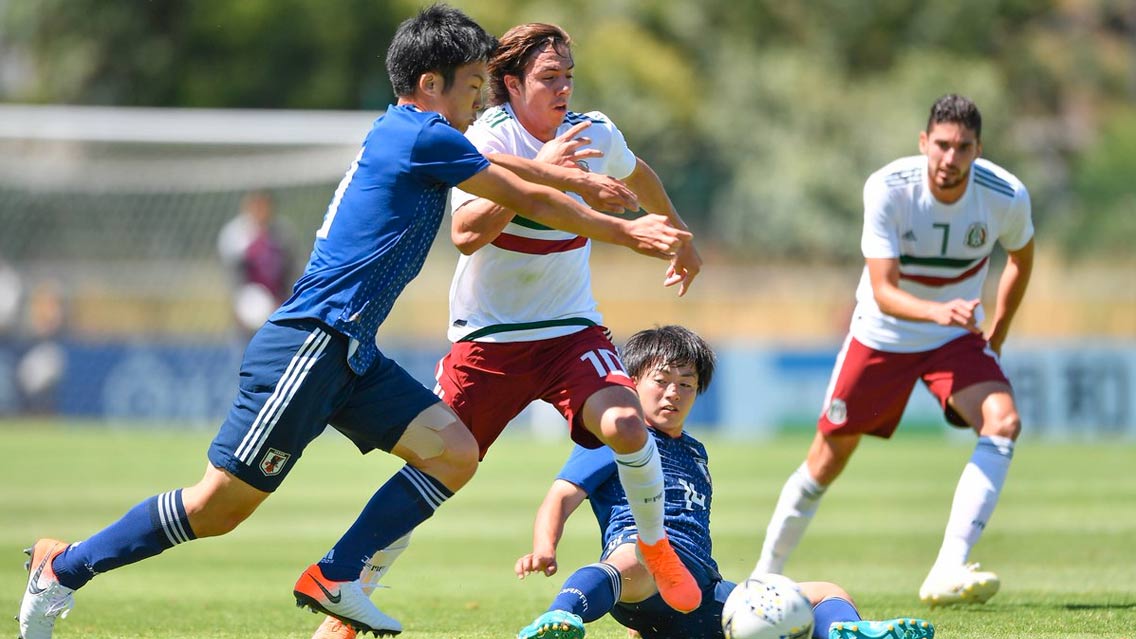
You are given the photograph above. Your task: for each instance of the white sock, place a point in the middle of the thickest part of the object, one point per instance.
(795, 509)
(641, 474)
(380, 563)
(975, 498)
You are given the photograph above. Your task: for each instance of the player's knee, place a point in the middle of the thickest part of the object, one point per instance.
(443, 446)
(623, 429)
(1005, 424)
(461, 454)
(219, 503)
(1001, 419)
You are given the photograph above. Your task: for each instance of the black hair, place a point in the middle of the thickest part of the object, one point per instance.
(440, 38)
(958, 110)
(670, 345)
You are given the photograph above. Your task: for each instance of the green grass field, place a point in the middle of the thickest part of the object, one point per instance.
(1063, 539)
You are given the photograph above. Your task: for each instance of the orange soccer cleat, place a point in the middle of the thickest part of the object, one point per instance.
(344, 600)
(45, 599)
(674, 581)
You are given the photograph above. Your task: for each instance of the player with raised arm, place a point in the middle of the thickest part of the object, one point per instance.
(316, 361)
(930, 225)
(670, 366)
(523, 320)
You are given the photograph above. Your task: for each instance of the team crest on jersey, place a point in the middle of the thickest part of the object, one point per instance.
(704, 468)
(273, 462)
(837, 412)
(976, 235)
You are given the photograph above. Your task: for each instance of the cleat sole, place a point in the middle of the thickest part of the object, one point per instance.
(304, 601)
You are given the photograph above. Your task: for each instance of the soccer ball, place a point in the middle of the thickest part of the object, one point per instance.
(767, 607)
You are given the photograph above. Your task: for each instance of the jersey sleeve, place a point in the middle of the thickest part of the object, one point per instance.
(588, 468)
(1017, 230)
(620, 160)
(485, 143)
(880, 238)
(443, 155)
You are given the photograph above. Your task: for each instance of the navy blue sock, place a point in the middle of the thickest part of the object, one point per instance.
(590, 592)
(406, 500)
(147, 529)
(830, 611)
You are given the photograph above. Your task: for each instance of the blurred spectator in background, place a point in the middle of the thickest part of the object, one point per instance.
(11, 292)
(32, 359)
(44, 360)
(258, 252)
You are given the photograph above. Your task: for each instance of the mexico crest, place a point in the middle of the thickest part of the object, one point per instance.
(837, 412)
(976, 235)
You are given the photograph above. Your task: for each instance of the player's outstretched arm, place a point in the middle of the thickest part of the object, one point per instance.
(650, 235)
(884, 275)
(1011, 289)
(653, 196)
(477, 223)
(601, 192)
(562, 500)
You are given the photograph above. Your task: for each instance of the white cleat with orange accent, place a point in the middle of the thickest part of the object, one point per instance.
(45, 599)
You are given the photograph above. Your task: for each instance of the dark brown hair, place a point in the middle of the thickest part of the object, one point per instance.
(517, 48)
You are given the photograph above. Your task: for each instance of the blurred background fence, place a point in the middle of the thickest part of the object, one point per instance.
(118, 301)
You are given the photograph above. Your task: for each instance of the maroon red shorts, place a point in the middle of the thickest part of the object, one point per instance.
(488, 384)
(870, 389)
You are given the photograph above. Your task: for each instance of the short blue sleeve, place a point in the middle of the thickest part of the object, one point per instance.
(589, 468)
(443, 155)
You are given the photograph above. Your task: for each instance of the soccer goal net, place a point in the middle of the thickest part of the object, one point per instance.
(123, 266)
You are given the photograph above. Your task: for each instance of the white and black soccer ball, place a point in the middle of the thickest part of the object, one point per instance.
(767, 607)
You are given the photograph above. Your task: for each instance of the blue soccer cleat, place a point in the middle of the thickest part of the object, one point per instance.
(902, 628)
(554, 624)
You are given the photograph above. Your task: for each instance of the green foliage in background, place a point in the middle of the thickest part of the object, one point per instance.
(763, 117)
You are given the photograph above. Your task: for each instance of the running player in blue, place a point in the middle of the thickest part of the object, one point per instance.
(670, 366)
(316, 361)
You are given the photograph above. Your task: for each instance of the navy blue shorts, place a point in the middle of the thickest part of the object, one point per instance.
(294, 381)
(654, 619)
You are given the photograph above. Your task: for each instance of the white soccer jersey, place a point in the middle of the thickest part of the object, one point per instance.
(532, 282)
(943, 249)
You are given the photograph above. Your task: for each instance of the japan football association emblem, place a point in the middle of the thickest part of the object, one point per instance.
(273, 462)
(837, 412)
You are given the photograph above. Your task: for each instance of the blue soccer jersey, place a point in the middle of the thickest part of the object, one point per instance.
(380, 224)
(687, 494)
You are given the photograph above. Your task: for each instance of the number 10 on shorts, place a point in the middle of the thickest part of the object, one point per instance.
(605, 362)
